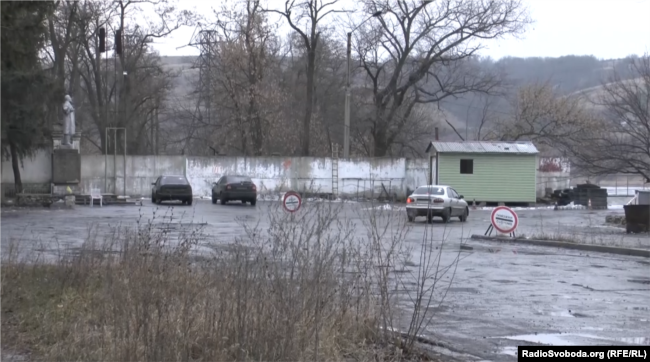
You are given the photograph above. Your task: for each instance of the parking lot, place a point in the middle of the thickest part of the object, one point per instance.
(502, 295)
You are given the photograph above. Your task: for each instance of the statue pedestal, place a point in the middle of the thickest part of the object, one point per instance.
(66, 165)
(57, 141)
(70, 200)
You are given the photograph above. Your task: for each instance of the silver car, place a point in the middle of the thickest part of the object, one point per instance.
(436, 200)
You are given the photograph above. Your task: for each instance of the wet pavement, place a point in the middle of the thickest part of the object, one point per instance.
(501, 295)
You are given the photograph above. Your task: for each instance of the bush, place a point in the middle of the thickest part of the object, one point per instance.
(304, 287)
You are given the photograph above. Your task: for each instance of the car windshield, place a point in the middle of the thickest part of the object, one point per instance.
(236, 179)
(431, 190)
(173, 180)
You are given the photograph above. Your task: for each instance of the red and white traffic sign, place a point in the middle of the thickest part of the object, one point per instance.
(504, 220)
(292, 201)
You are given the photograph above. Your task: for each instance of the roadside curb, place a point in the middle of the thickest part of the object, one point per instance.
(575, 246)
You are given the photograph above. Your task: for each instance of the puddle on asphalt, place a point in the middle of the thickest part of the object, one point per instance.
(464, 290)
(574, 339)
(640, 281)
(504, 281)
(512, 351)
(554, 339)
(635, 340)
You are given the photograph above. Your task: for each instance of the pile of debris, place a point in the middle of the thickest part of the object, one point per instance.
(615, 219)
(588, 195)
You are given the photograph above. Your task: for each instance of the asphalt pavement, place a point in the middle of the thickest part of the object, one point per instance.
(501, 295)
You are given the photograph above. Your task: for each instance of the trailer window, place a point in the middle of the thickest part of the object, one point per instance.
(467, 167)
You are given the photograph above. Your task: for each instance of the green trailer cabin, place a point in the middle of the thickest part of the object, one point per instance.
(486, 172)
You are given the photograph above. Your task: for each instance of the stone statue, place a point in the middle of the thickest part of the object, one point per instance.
(68, 121)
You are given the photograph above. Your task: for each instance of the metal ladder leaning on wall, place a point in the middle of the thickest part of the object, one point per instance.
(335, 171)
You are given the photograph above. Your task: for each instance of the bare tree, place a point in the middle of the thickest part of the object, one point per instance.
(414, 133)
(126, 90)
(326, 127)
(486, 116)
(421, 52)
(620, 142)
(243, 79)
(240, 94)
(63, 52)
(544, 117)
(309, 14)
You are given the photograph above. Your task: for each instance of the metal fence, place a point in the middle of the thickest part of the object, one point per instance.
(616, 185)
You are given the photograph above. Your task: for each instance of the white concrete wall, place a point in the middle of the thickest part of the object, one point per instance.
(33, 170)
(360, 177)
(554, 164)
(553, 180)
(270, 174)
(357, 177)
(559, 179)
(417, 173)
(141, 171)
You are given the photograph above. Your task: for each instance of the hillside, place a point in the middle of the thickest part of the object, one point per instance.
(568, 75)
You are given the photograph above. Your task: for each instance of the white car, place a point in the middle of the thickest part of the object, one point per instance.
(436, 200)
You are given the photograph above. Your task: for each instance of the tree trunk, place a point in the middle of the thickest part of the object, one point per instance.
(309, 108)
(381, 142)
(15, 165)
(2, 186)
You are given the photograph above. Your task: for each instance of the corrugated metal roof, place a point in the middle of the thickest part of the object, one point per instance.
(483, 147)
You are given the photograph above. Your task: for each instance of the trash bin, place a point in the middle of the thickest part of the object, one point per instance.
(637, 218)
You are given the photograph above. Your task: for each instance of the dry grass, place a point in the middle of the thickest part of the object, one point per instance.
(301, 289)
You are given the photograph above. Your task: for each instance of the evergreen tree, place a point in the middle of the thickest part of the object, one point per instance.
(26, 86)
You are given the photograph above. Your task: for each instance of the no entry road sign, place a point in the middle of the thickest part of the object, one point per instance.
(504, 220)
(292, 201)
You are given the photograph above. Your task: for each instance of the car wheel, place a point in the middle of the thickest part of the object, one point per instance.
(189, 202)
(446, 215)
(214, 199)
(410, 218)
(253, 202)
(153, 198)
(222, 200)
(464, 216)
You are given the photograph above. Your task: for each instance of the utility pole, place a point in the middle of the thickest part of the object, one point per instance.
(346, 115)
(346, 130)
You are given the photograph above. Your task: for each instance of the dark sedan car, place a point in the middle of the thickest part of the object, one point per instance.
(234, 188)
(172, 187)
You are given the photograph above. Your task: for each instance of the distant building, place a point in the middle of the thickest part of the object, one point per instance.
(487, 172)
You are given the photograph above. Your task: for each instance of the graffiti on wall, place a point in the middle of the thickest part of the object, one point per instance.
(554, 164)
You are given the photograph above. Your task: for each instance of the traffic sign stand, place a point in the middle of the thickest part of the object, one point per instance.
(503, 220)
(292, 202)
(490, 229)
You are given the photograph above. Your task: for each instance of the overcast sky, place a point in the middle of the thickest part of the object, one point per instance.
(604, 28)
